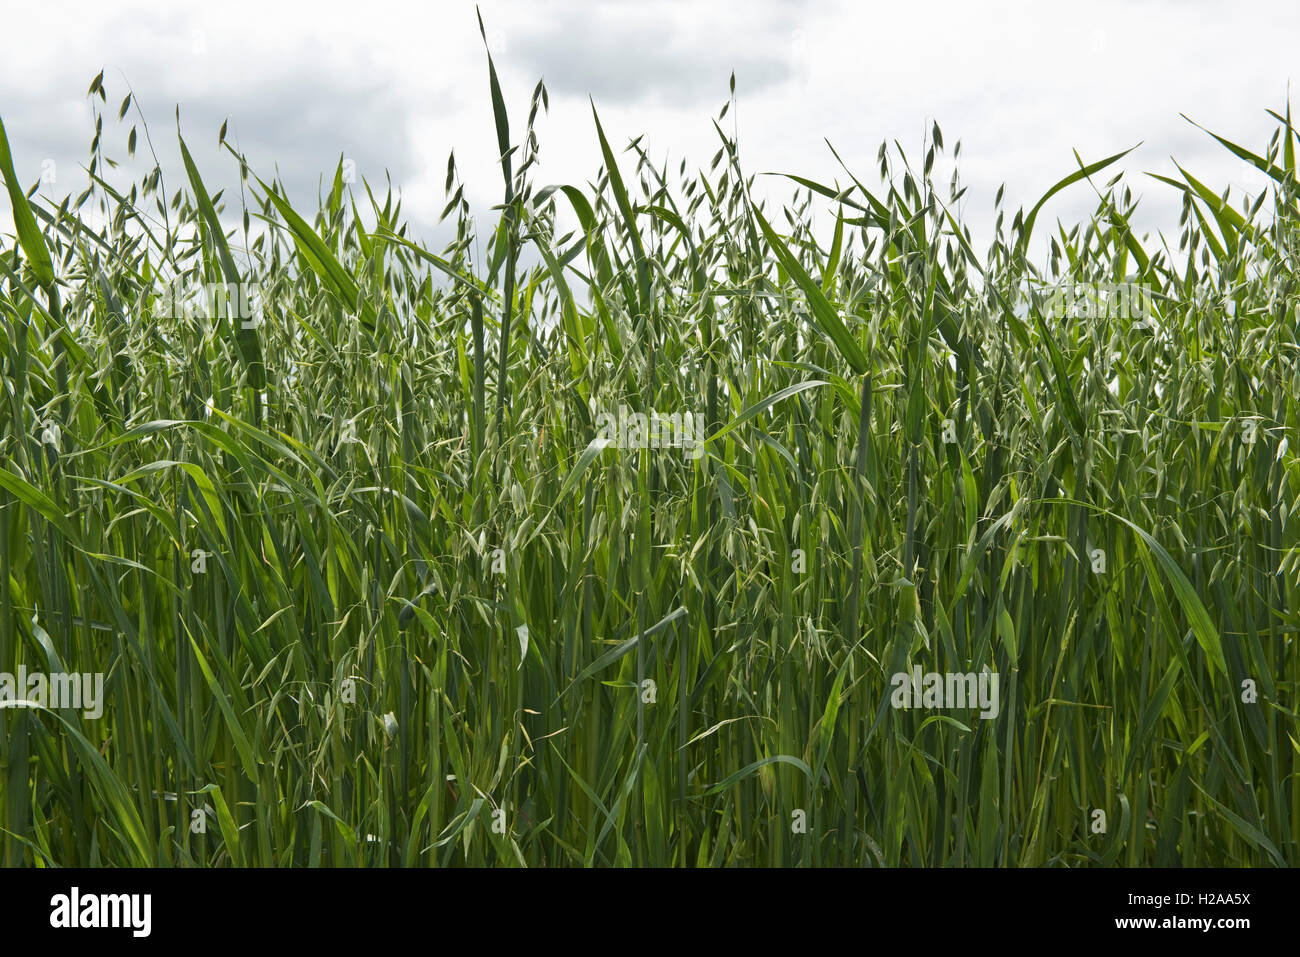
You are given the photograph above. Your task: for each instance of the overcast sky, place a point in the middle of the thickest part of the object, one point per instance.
(395, 86)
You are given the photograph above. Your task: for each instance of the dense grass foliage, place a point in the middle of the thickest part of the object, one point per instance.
(369, 584)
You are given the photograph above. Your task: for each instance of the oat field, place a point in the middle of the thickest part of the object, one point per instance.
(651, 522)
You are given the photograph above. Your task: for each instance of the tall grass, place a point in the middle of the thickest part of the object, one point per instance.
(368, 586)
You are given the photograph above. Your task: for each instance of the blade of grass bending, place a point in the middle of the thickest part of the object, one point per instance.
(762, 404)
(1073, 178)
(825, 318)
(29, 235)
(246, 337)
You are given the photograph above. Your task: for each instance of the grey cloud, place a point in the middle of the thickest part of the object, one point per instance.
(291, 125)
(296, 127)
(625, 54)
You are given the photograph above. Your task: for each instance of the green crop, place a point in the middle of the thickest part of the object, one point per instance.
(371, 578)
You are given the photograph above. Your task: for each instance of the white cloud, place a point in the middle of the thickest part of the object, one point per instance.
(398, 85)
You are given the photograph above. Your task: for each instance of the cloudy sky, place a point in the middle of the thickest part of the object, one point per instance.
(395, 86)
